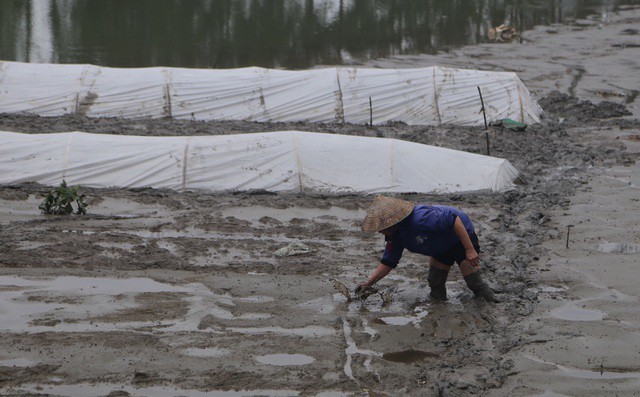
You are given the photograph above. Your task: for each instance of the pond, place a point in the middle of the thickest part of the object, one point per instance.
(292, 34)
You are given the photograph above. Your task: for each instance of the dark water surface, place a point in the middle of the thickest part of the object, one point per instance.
(271, 33)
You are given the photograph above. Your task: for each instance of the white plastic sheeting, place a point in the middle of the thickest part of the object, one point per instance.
(428, 96)
(284, 161)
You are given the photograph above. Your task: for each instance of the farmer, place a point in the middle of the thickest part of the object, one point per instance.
(444, 233)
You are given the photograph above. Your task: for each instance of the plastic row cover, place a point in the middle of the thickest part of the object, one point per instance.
(429, 96)
(284, 161)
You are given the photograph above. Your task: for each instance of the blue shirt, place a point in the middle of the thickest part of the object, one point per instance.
(428, 230)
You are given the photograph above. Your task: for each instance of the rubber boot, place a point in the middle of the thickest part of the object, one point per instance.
(437, 281)
(479, 287)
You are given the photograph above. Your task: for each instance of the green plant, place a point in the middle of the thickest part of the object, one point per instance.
(58, 201)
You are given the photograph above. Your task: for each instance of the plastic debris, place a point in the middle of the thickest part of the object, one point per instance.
(503, 33)
(295, 248)
(509, 124)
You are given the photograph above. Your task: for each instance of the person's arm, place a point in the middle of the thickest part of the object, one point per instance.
(461, 232)
(381, 271)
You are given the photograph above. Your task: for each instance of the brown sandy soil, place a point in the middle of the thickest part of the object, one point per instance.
(165, 293)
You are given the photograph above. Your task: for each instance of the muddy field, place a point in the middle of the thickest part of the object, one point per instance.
(164, 293)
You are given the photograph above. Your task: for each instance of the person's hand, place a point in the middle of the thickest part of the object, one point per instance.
(364, 290)
(360, 288)
(473, 257)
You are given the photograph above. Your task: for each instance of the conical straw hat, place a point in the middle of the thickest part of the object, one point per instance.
(385, 212)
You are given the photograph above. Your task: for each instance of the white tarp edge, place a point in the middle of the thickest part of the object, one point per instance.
(284, 161)
(426, 96)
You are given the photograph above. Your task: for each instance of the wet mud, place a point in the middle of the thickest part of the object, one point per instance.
(184, 291)
(156, 292)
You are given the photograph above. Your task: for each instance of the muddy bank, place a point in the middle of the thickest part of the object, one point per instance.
(582, 338)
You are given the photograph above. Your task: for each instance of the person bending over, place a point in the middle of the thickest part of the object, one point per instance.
(445, 234)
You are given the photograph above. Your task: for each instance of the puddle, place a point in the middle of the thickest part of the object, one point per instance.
(618, 248)
(19, 210)
(395, 320)
(68, 304)
(353, 349)
(256, 299)
(623, 179)
(254, 214)
(123, 246)
(573, 313)
(597, 374)
(601, 373)
(404, 320)
(324, 305)
(408, 356)
(31, 245)
(550, 289)
(368, 329)
(549, 393)
(93, 285)
(310, 331)
(253, 316)
(201, 234)
(16, 362)
(125, 209)
(285, 359)
(103, 389)
(212, 306)
(207, 352)
(172, 248)
(221, 257)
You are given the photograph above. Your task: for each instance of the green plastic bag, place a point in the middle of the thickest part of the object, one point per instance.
(510, 124)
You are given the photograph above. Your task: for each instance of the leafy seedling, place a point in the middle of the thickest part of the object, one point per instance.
(363, 294)
(59, 201)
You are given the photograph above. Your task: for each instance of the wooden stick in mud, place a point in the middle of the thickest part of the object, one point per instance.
(482, 108)
(484, 115)
(568, 231)
(370, 112)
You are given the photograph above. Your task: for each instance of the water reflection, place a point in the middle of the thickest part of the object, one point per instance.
(269, 33)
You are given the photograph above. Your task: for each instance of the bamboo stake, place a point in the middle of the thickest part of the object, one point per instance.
(484, 115)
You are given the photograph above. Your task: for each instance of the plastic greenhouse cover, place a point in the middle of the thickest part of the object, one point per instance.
(426, 96)
(283, 161)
